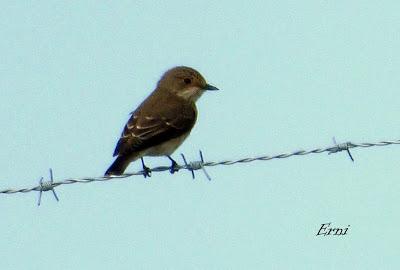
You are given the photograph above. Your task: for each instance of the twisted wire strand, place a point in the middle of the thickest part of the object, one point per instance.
(195, 166)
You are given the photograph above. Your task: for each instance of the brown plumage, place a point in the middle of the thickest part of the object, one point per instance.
(163, 121)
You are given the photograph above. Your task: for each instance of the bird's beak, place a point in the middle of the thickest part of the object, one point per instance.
(210, 87)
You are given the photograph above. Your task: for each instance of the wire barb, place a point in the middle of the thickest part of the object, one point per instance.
(46, 186)
(196, 165)
(341, 147)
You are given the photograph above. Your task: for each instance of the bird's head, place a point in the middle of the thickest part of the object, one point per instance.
(185, 82)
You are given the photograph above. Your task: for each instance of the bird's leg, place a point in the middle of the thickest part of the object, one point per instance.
(174, 166)
(146, 170)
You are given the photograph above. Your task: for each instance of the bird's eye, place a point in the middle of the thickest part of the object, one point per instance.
(187, 81)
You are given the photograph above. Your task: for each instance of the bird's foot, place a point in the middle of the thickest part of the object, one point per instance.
(146, 170)
(174, 166)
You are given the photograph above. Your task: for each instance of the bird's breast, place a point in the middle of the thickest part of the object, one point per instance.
(166, 148)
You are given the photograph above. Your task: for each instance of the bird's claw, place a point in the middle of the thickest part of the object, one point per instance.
(146, 171)
(174, 167)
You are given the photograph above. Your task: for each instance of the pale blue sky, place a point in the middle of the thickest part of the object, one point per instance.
(292, 75)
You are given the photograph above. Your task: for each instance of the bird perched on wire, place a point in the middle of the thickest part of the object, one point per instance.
(163, 121)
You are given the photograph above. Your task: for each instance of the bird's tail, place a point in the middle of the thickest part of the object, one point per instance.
(118, 167)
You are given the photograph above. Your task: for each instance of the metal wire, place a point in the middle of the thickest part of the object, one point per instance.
(201, 164)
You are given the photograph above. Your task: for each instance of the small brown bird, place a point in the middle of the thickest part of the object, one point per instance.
(163, 121)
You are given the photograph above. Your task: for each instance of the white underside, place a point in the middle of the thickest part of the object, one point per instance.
(166, 148)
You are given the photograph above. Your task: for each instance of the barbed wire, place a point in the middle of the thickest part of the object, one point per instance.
(196, 165)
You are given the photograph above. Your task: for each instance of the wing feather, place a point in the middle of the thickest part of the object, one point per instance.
(147, 129)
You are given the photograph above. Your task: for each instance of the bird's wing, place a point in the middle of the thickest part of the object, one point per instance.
(147, 129)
